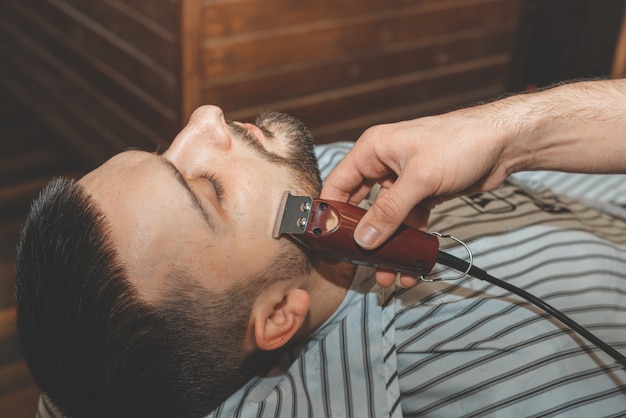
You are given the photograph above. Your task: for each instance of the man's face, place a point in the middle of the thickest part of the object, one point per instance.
(206, 205)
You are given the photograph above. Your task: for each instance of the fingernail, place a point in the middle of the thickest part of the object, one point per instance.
(366, 236)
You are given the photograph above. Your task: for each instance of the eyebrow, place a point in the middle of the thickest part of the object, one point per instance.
(195, 199)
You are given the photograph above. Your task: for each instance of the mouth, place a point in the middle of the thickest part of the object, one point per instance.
(257, 133)
(251, 134)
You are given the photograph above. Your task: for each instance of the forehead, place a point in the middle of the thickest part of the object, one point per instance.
(153, 224)
(114, 170)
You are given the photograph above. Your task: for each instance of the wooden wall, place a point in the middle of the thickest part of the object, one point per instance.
(568, 39)
(343, 65)
(108, 74)
(104, 73)
(29, 159)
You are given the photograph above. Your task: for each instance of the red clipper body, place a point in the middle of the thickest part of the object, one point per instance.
(328, 227)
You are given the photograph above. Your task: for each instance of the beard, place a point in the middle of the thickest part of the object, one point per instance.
(297, 153)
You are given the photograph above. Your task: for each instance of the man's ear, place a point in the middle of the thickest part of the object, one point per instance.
(278, 316)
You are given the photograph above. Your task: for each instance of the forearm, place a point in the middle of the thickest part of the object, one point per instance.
(577, 127)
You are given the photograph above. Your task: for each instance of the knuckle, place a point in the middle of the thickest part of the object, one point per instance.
(386, 210)
(373, 133)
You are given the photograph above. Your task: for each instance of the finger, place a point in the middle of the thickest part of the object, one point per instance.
(387, 213)
(353, 195)
(418, 217)
(385, 278)
(360, 165)
(407, 281)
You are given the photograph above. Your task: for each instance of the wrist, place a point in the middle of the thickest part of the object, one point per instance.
(519, 124)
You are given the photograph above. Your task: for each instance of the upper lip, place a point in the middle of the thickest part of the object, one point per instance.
(257, 132)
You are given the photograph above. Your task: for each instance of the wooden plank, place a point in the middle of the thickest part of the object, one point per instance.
(15, 198)
(20, 403)
(190, 58)
(71, 120)
(111, 65)
(331, 106)
(258, 88)
(298, 43)
(9, 347)
(74, 102)
(350, 129)
(17, 137)
(619, 60)
(131, 25)
(227, 18)
(281, 53)
(7, 283)
(14, 376)
(9, 231)
(17, 165)
(163, 13)
(80, 119)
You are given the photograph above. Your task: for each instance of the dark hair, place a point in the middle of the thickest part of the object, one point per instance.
(95, 347)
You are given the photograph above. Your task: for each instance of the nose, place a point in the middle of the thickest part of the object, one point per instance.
(206, 133)
(206, 128)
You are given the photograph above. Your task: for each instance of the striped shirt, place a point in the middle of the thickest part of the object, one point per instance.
(466, 348)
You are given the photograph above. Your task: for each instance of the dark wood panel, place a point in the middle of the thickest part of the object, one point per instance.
(163, 13)
(298, 43)
(7, 285)
(101, 78)
(29, 157)
(190, 32)
(93, 121)
(15, 136)
(12, 376)
(111, 65)
(566, 39)
(256, 89)
(9, 346)
(331, 106)
(349, 129)
(9, 232)
(105, 74)
(133, 27)
(21, 404)
(224, 18)
(17, 192)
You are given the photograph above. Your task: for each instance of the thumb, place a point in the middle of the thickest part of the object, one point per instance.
(384, 217)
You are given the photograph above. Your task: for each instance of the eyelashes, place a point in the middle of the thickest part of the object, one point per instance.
(217, 185)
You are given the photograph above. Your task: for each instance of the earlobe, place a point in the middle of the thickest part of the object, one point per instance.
(277, 321)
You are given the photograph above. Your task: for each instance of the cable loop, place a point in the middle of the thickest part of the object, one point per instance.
(469, 265)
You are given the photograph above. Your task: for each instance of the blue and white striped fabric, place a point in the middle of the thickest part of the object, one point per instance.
(467, 348)
(608, 188)
(328, 155)
(348, 369)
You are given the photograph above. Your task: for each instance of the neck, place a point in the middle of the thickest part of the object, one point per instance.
(329, 283)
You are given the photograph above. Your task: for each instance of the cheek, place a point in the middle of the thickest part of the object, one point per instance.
(231, 262)
(256, 193)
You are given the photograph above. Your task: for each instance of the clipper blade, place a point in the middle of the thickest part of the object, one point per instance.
(293, 215)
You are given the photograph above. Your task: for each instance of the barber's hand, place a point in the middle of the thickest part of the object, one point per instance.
(419, 164)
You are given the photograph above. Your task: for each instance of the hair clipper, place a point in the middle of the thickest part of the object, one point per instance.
(328, 227)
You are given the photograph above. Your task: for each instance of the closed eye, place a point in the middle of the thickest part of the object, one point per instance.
(217, 185)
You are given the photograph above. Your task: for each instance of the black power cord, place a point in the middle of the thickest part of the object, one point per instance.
(463, 266)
